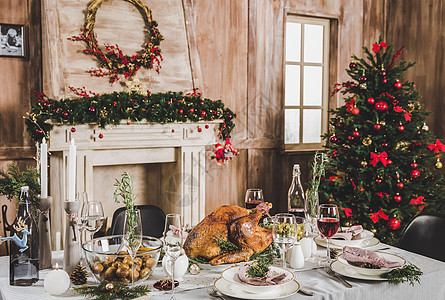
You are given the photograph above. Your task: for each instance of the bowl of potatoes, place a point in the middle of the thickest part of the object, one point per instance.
(109, 260)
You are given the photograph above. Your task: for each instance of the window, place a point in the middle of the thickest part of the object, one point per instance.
(305, 82)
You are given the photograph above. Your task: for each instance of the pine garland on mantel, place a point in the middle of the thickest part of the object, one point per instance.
(113, 108)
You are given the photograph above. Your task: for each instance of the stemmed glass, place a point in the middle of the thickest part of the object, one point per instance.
(92, 216)
(253, 198)
(81, 223)
(173, 239)
(328, 223)
(133, 236)
(284, 233)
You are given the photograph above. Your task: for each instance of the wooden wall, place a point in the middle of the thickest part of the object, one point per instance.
(239, 54)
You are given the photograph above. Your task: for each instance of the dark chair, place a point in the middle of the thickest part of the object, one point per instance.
(425, 235)
(152, 217)
(6, 226)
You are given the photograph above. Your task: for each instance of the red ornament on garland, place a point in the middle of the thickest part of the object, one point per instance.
(415, 173)
(389, 161)
(355, 111)
(363, 78)
(203, 114)
(398, 84)
(378, 180)
(206, 126)
(192, 110)
(399, 185)
(39, 132)
(397, 198)
(73, 129)
(351, 138)
(385, 145)
(371, 100)
(65, 114)
(352, 65)
(385, 80)
(199, 129)
(101, 136)
(393, 223)
(381, 106)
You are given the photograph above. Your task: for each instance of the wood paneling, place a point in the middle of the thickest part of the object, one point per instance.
(420, 27)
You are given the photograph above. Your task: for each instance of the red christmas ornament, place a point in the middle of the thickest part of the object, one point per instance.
(128, 122)
(207, 126)
(181, 111)
(415, 173)
(203, 114)
(401, 128)
(39, 132)
(382, 73)
(352, 65)
(355, 111)
(371, 100)
(399, 185)
(414, 165)
(397, 198)
(378, 180)
(385, 144)
(92, 109)
(389, 161)
(381, 106)
(334, 139)
(393, 223)
(377, 126)
(73, 129)
(398, 84)
(65, 114)
(363, 78)
(101, 135)
(385, 80)
(192, 110)
(173, 130)
(340, 125)
(356, 133)
(351, 138)
(199, 129)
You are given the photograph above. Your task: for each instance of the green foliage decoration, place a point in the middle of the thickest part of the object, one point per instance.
(113, 108)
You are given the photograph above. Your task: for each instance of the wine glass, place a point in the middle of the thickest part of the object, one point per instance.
(253, 198)
(173, 239)
(81, 222)
(132, 235)
(284, 233)
(93, 217)
(328, 223)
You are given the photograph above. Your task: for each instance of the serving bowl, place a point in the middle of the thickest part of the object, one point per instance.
(231, 275)
(375, 272)
(108, 259)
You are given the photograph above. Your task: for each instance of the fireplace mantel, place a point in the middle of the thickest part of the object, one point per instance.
(182, 144)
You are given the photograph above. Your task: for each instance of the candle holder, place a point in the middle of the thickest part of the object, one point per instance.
(71, 246)
(45, 256)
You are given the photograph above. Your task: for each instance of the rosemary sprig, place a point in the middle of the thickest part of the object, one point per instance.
(269, 254)
(408, 273)
(124, 189)
(259, 268)
(318, 172)
(226, 246)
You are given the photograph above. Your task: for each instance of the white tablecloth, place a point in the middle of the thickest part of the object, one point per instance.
(194, 286)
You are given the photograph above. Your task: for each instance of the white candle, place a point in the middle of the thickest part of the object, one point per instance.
(56, 282)
(72, 171)
(58, 240)
(44, 169)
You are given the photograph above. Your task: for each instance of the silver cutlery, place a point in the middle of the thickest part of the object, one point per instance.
(215, 293)
(333, 274)
(306, 292)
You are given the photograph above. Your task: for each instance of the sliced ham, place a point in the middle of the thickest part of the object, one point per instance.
(272, 277)
(359, 256)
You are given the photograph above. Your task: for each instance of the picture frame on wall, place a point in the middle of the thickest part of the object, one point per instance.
(12, 40)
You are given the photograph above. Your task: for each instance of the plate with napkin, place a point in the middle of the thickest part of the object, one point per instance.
(354, 236)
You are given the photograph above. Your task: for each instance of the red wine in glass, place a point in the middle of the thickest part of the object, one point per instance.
(298, 212)
(252, 204)
(328, 226)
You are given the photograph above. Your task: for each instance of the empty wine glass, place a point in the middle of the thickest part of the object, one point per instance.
(81, 223)
(328, 223)
(173, 239)
(132, 235)
(284, 232)
(253, 198)
(93, 217)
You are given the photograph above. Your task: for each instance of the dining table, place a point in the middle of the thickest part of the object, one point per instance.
(311, 278)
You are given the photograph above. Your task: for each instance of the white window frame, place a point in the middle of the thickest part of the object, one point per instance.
(325, 84)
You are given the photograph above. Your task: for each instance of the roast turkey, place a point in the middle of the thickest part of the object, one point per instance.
(230, 223)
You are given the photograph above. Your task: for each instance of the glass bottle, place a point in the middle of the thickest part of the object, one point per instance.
(24, 245)
(295, 195)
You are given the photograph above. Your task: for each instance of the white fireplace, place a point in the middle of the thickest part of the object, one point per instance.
(178, 147)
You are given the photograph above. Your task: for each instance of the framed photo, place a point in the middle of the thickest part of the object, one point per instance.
(12, 40)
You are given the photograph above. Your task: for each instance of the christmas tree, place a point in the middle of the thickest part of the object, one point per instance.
(383, 158)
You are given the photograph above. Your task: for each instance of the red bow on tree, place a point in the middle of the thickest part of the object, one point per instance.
(375, 216)
(375, 158)
(418, 200)
(376, 47)
(348, 211)
(398, 109)
(437, 147)
(407, 116)
(350, 104)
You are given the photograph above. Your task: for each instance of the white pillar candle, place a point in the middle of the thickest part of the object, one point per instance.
(56, 282)
(58, 240)
(44, 169)
(72, 171)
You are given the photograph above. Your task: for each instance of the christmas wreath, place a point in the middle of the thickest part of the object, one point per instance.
(113, 58)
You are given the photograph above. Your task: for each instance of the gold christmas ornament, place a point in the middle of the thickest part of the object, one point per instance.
(109, 286)
(194, 269)
(383, 123)
(364, 163)
(403, 145)
(363, 86)
(410, 107)
(425, 127)
(374, 230)
(439, 164)
(367, 141)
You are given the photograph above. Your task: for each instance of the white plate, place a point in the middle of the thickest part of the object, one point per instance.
(376, 272)
(371, 242)
(347, 271)
(233, 290)
(231, 275)
(356, 242)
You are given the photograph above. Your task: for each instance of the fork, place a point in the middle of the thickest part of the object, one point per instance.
(215, 293)
(341, 279)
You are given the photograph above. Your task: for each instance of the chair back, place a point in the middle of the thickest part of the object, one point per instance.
(425, 235)
(6, 226)
(152, 217)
